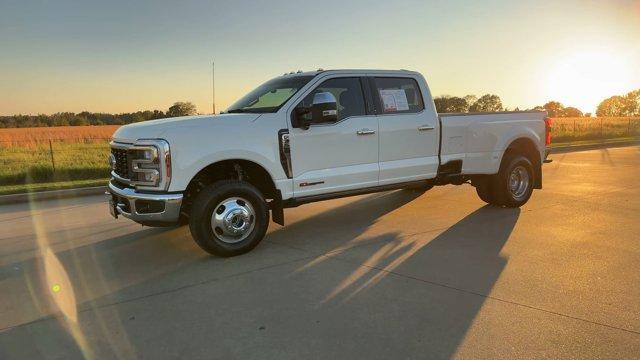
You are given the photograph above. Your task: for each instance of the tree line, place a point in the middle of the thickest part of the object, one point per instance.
(90, 118)
(618, 105)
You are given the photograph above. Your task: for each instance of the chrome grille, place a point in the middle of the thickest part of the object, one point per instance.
(121, 167)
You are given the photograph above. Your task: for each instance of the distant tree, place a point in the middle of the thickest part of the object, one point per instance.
(116, 121)
(137, 117)
(588, 114)
(571, 112)
(78, 121)
(451, 104)
(157, 114)
(60, 119)
(24, 121)
(487, 103)
(82, 118)
(470, 99)
(613, 106)
(181, 109)
(554, 109)
(633, 103)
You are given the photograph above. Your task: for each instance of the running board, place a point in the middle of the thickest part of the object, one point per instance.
(294, 202)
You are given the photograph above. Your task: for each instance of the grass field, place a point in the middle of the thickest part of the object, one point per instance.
(579, 129)
(22, 137)
(56, 154)
(81, 152)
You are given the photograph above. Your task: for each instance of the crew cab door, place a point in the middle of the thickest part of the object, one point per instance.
(338, 156)
(409, 130)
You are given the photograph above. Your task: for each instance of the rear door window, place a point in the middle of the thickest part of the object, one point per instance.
(398, 95)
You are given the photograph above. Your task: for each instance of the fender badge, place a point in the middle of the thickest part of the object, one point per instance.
(311, 183)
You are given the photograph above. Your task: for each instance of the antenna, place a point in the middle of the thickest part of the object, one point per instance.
(213, 86)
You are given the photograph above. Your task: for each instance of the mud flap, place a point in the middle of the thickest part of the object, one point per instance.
(277, 211)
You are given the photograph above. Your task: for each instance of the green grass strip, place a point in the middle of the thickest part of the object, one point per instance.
(74, 184)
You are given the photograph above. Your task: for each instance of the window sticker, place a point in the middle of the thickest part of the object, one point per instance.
(394, 100)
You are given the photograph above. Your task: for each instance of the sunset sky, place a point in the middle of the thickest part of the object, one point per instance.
(122, 56)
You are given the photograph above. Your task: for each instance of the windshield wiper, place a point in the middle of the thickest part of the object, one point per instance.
(237, 111)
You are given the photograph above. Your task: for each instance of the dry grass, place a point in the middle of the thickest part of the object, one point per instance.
(48, 154)
(576, 129)
(27, 137)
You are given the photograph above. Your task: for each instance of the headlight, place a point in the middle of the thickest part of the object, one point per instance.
(150, 164)
(145, 166)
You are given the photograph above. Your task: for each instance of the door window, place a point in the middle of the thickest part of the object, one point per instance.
(398, 95)
(348, 94)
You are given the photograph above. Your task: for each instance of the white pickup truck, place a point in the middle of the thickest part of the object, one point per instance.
(312, 136)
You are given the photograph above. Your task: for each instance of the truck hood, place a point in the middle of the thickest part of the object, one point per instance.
(157, 129)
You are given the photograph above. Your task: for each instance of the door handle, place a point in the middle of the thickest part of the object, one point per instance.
(366, 132)
(426, 128)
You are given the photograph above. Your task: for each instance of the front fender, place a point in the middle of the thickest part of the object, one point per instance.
(186, 169)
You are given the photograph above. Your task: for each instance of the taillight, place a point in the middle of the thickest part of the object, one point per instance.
(547, 130)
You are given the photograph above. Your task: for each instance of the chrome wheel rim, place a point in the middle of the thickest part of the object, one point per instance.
(519, 182)
(232, 220)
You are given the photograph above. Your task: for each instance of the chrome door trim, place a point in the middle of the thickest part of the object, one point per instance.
(426, 128)
(366, 132)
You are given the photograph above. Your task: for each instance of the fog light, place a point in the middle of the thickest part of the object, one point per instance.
(150, 177)
(149, 206)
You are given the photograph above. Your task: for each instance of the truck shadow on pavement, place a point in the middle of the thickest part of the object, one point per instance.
(342, 226)
(454, 270)
(464, 261)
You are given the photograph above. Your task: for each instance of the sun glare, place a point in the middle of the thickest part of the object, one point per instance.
(584, 79)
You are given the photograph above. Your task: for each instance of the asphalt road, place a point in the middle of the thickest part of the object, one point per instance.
(393, 275)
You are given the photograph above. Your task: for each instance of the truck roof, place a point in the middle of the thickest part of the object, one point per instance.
(353, 71)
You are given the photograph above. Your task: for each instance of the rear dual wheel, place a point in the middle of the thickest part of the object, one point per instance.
(512, 186)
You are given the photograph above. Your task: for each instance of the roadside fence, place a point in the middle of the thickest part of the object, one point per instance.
(604, 128)
(40, 160)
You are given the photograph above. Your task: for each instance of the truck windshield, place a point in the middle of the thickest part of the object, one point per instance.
(270, 96)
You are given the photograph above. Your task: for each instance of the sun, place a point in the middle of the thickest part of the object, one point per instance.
(585, 78)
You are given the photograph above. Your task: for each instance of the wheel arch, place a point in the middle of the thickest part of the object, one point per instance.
(526, 147)
(239, 169)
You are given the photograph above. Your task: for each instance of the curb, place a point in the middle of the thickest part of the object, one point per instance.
(610, 144)
(51, 195)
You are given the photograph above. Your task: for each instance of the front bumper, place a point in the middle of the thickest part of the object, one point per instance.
(150, 209)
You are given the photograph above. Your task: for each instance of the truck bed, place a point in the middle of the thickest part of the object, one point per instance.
(480, 139)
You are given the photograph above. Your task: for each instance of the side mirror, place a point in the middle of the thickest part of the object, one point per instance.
(323, 110)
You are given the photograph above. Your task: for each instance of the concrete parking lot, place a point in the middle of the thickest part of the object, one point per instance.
(401, 274)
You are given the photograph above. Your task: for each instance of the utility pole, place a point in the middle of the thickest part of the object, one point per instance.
(213, 86)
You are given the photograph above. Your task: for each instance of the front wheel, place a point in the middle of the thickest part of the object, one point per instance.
(229, 218)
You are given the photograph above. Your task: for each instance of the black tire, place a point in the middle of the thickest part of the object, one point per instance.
(205, 203)
(485, 191)
(501, 187)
